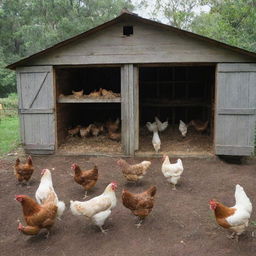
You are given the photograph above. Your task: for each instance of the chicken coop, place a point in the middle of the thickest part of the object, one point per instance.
(95, 92)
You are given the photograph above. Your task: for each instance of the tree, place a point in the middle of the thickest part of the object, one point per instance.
(27, 26)
(229, 21)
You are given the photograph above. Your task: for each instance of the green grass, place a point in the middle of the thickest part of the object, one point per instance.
(9, 134)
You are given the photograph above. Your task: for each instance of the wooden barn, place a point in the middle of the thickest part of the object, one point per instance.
(127, 71)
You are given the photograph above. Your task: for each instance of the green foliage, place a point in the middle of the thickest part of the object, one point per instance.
(11, 102)
(9, 134)
(230, 21)
(28, 26)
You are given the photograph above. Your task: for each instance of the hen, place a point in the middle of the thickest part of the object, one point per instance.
(161, 126)
(37, 216)
(133, 172)
(172, 172)
(183, 128)
(234, 218)
(85, 178)
(140, 204)
(151, 126)
(112, 126)
(74, 131)
(45, 189)
(24, 172)
(85, 131)
(98, 209)
(96, 129)
(199, 125)
(116, 136)
(78, 94)
(156, 142)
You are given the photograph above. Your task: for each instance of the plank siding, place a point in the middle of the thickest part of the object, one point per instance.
(148, 44)
(236, 108)
(36, 109)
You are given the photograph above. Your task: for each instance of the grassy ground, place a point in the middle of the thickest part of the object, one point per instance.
(9, 134)
(9, 124)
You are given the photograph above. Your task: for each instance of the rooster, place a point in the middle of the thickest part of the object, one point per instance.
(172, 172)
(183, 128)
(85, 178)
(234, 218)
(161, 126)
(133, 172)
(140, 204)
(98, 209)
(37, 216)
(45, 188)
(24, 172)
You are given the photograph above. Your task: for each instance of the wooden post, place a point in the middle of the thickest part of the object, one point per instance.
(129, 108)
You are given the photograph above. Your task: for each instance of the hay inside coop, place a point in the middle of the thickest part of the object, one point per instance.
(177, 93)
(88, 110)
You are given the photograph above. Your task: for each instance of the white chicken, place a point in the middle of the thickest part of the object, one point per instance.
(161, 126)
(156, 141)
(172, 172)
(234, 218)
(151, 126)
(45, 188)
(98, 209)
(183, 128)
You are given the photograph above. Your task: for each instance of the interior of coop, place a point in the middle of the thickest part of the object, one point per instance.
(169, 92)
(177, 93)
(70, 115)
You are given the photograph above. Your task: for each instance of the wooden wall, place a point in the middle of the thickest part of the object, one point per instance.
(148, 44)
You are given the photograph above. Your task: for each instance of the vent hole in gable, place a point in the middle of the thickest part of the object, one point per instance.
(127, 30)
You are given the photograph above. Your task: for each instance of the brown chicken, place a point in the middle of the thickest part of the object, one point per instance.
(96, 129)
(85, 131)
(133, 172)
(140, 204)
(112, 126)
(96, 94)
(85, 178)
(24, 172)
(199, 125)
(78, 94)
(37, 216)
(74, 131)
(116, 136)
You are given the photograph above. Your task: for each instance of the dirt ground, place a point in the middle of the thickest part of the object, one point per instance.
(180, 223)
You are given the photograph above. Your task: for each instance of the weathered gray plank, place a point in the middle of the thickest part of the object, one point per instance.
(236, 67)
(36, 69)
(36, 111)
(37, 108)
(234, 150)
(136, 106)
(147, 45)
(235, 113)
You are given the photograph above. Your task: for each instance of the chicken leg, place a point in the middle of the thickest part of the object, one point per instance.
(139, 222)
(104, 231)
(85, 194)
(174, 187)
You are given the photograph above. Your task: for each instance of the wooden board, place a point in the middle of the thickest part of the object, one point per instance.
(236, 108)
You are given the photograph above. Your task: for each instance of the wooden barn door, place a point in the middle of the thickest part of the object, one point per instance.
(36, 109)
(235, 110)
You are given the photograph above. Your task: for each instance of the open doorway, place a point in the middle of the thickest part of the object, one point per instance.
(177, 93)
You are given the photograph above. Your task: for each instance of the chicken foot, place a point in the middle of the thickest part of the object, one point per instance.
(85, 194)
(233, 235)
(139, 222)
(104, 231)
(174, 187)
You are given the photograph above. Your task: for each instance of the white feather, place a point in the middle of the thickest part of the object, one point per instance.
(45, 188)
(243, 211)
(183, 128)
(161, 126)
(172, 172)
(100, 218)
(151, 126)
(156, 141)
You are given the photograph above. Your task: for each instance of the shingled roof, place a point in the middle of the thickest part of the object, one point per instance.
(129, 15)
